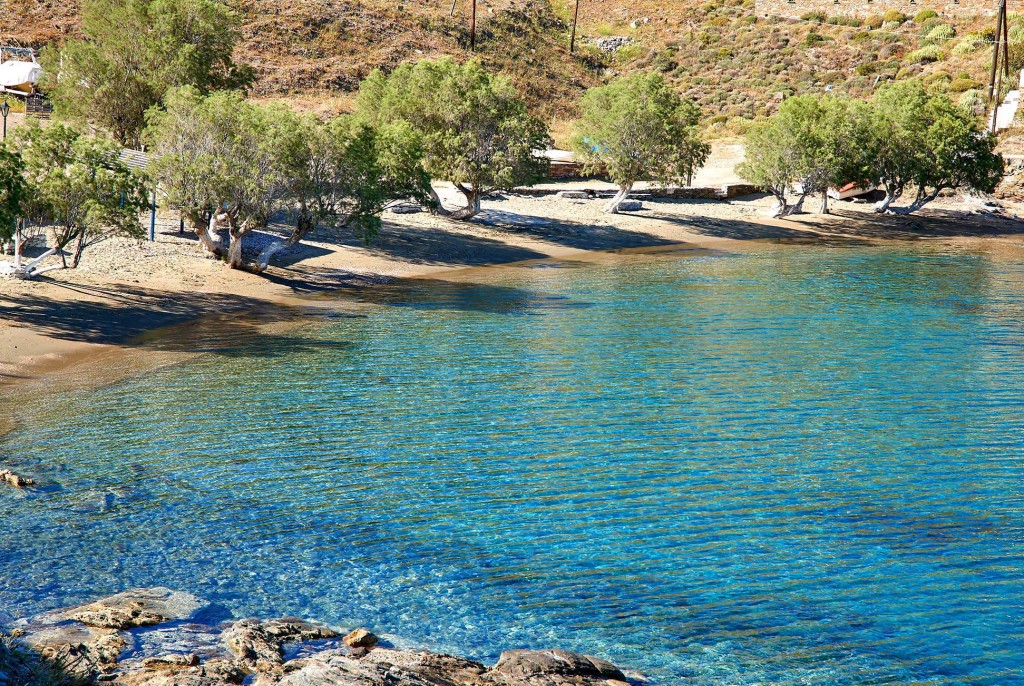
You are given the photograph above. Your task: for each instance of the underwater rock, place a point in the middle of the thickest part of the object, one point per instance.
(553, 668)
(360, 638)
(12, 479)
(137, 607)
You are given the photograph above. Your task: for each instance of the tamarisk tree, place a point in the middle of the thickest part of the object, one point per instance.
(926, 143)
(13, 193)
(638, 128)
(79, 188)
(473, 126)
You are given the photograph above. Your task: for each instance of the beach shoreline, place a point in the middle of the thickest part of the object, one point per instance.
(79, 323)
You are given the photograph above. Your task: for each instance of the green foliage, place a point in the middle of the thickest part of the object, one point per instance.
(926, 55)
(814, 15)
(79, 186)
(13, 191)
(967, 46)
(941, 33)
(27, 668)
(925, 15)
(473, 126)
(874, 22)
(925, 142)
(971, 100)
(131, 52)
(894, 17)
(815, 141)
(845, 20)
(638, 128)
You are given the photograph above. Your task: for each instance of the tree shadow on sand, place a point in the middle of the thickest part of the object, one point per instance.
(929, 223)
(568, 233)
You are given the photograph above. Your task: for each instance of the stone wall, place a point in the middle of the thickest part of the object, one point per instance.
(863, 8)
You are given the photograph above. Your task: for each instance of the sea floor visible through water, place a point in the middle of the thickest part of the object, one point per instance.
(784, 465)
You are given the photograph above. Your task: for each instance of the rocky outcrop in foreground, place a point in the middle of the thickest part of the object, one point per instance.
(149, 637)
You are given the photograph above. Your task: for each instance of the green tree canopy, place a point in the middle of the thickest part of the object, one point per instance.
(78, 186)
(812, 143)
(13, 191)
(925, 142)
(638, 128)
(473, 126)
(132, 51)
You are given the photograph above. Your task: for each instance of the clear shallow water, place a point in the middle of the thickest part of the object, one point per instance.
(788, 466)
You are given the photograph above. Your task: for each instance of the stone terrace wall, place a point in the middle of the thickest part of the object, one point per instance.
(863, 8)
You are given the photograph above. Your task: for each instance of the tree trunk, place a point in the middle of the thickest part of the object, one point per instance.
(304, 223)
(18, 245)
(79, 248)
(613, 206)
(208, 237)
(781, 208)
(798, 208)
(471, 209)
(824, 202)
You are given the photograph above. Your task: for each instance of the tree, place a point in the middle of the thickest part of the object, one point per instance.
(927, 143)
(473, 127)
(345, 173)
(223, 160)
(813, 143)
(13, 191)
(133, 51)
(637, 128)
(79, 187)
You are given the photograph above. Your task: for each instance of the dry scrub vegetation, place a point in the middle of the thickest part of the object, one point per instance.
(736, 65)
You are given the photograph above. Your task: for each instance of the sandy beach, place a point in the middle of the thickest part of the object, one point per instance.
(126, 288)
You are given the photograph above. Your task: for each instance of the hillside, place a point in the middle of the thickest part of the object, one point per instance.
(737, 65)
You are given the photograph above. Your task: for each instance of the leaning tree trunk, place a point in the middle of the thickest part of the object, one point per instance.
(798, 207)
(892, 194)
(781, 208)
(617, 200)
(472, 208)
(824, 202)
(208, 237)
(304, 223)
(79, 249)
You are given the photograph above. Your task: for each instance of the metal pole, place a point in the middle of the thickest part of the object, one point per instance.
(152, 217)
(575, 20)
(452, 13)
(5, 126)
(472, 30)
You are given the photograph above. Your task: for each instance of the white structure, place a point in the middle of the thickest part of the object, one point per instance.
(19, 77)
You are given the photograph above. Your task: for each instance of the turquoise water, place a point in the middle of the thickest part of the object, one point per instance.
(794, 465)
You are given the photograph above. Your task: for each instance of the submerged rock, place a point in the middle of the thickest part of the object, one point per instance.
(12, 479)
(360, 638)
(553, 668)
(137, 607)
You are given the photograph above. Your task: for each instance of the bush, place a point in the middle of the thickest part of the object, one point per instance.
(962, 85)
(892, 25)
(894, 17)
(874, 22)
(925, 15)
(844, 20)
(966, 47)
(815, 15)
(941, 33)
(814, 38)
(971, 99)
(927, 54)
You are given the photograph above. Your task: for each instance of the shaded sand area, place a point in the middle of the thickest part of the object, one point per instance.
(126, 288)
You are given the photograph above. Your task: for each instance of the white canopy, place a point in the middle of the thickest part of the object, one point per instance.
(18, 75)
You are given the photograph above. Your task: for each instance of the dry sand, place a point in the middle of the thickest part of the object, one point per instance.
(126, 288)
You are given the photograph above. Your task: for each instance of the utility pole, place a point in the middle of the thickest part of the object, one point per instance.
(1001, 49)
(575, 20)
(472, 29)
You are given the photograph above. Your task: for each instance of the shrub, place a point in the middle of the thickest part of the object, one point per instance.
(894, 16)
(867, 69)
(925, 15)
(844, 20)
(814, 15)
(962, 85)
(971, 99)
(874, 22)
(861, 37)
(941, 32)
(892, 25)
(927, 54)
(814, 38)
(965, 47)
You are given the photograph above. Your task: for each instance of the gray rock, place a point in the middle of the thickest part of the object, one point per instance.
(630, 206)
(259, 644)
(382, 667)
(406, 208)
(612, 43)
(574, 195)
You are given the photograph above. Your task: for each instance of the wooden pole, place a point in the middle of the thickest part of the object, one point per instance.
(1006, 40)
(452, 13)
(994, 83)
(575, 20)
(472, 30)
